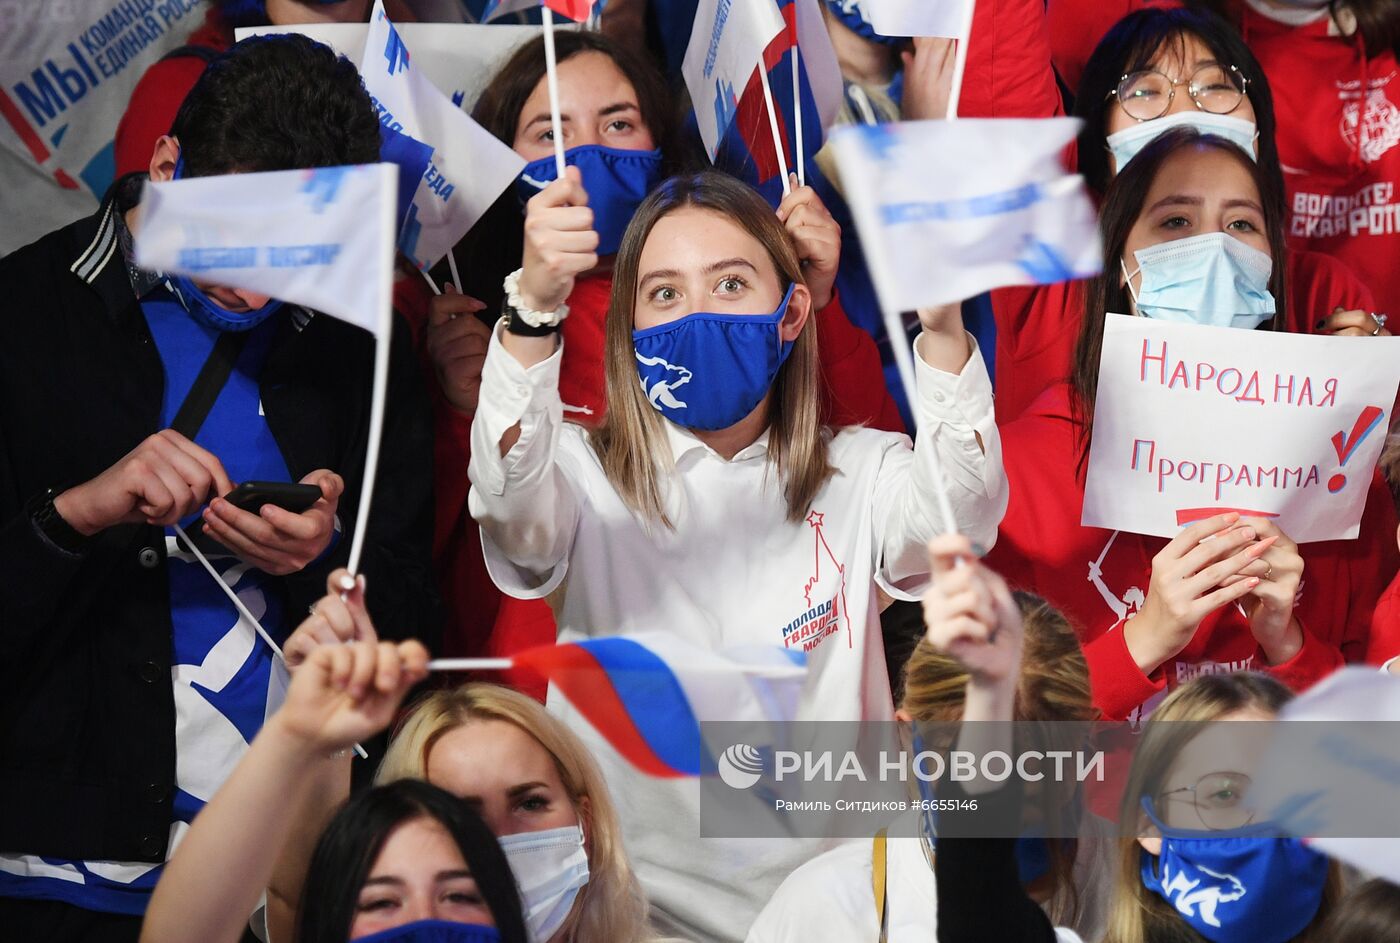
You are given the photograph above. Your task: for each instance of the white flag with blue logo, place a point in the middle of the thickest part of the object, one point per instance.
(949, 209)
(323, 238)
(727, 45)
(470, 167)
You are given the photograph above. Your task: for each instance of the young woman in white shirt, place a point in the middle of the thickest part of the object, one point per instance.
(884, 889)
(712, 502)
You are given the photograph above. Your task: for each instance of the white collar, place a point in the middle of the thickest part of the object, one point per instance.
(683, 441)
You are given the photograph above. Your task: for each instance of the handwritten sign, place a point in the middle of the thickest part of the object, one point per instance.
(1193, 421)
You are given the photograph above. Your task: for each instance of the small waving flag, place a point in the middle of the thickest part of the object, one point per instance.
(469, 166)
(646, 694)
(949, 209)
(577, 10)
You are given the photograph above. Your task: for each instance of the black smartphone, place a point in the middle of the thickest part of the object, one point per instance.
(250, 496)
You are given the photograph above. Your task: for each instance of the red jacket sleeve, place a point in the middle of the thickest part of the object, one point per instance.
(1008, 72)
(1313, 662)
(852, 374)
(1116, 682)
(1384, 642)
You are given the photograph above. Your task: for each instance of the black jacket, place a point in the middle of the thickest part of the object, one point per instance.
(87, 714)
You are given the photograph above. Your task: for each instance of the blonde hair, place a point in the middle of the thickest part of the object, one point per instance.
(1136, 914)
(631, 443)
(611, 907)
(1053, 686)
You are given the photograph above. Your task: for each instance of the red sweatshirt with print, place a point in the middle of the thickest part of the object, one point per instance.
(1099, 578)
(1009, 75)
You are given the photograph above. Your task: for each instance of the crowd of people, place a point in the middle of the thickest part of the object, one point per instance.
(550, 473)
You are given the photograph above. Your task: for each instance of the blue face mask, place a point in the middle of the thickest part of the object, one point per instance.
(707, 371)
(434, 931)
(1212, 279)
(206, 310)
(1247, 885)
(1125, 144)
(616, 180)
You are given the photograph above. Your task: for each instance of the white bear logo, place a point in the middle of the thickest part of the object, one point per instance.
(662, 390)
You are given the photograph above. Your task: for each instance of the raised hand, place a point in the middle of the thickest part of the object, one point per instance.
(343, 694)
(817, 237)
(337, 617)
(560, 243)
(969, 614)
(1191, 578)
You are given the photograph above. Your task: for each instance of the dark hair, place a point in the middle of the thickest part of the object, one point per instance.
(1369, 913)
(1122, 206)
(493, 244)
(1134, 43)
(279, 102)
(348, 847)
(498, 108)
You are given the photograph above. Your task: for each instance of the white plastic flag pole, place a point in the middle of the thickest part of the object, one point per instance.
(385, 289)
(773, 126)
(470, 664)
(960, 59)
(552, 83)
(242, 609)
(904, 360)
(452, 266)
(431, 284)
(797, 112)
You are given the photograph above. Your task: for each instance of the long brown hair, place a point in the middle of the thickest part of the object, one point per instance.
(1053, 688)
(1138, 915)
(1122, 206)
(631, 444)
(498, 108)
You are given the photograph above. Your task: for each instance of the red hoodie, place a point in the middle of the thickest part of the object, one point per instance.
(1098, 578)
(1338, 127)
(1385, 626)
(159, 94)
(1009, 75)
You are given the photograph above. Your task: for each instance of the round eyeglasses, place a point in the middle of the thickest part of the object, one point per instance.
(1218, 798)
(1148, 94)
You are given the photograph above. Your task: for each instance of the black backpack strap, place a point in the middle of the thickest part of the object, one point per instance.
(212, 377)
(206, 53)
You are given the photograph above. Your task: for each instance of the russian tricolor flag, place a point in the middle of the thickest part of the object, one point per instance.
(728, 41)
(647, 694)
(577, 10)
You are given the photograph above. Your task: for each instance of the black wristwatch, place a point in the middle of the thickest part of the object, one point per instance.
(53, 527)
(519, 327)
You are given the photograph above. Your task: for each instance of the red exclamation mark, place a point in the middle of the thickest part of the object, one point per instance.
(1345, 446)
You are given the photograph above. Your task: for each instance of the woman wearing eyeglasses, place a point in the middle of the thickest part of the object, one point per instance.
(1155, 70)
(1335, 68)
(1203, 866)
(1226, 593)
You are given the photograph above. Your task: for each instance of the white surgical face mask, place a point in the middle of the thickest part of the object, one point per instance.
(1125, 144)
(1212, 279)
(549, 867)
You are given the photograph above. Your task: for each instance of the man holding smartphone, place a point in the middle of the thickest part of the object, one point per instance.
(131, 401)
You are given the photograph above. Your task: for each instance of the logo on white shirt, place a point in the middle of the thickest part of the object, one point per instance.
(823, 617)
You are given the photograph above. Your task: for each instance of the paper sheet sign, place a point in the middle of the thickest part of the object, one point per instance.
(1194, 421)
